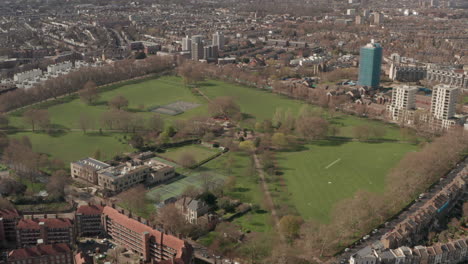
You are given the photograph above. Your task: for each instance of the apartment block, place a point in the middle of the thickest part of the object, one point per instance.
(30, 232)
(403, 101)
(457, 78)
(8, 220)
(218, 40)
(444, 100)
(42, 254)
(88, 220)
(370, 63)
(407, 73)
(149, 243)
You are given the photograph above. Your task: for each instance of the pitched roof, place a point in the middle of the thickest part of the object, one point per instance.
(90, 209)
(48, 222)
(38, 251)
(8, 213)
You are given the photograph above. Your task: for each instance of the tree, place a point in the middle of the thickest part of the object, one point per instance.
(57, 183)
(362, 132)
(137, 141)
(279, 140)
(10, 187)
(230, 183)
(171, 219)
(187, 160)
(39, 117)
(85, 122)
(118, 102)
(89, 94)
(4, 120)
(135, 199)
(156, 123)
(312, 127)
(140, 56)
(208, 198)
(224, 107)
(191, 72)
(290, 226)
(278, 117)
(191, 191)
(247, 146)
(378, 131)
(5, 204)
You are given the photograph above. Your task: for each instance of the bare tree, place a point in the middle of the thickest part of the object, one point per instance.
(118, 102)
(37, 117)
(85, 122)
(191, 72)
(311, 127)
(171, 219)
(57, 183)
(156, 123)
(135, 199)
(187, 160)
(362, 132)
(89, 94)
(224, 106)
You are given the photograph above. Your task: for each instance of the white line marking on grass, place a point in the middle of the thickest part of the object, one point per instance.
(333, 163)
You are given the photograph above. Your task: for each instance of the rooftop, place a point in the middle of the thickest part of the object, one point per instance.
(98, 165)
(38, 251)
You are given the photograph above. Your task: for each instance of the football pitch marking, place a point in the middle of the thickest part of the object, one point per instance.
(333, 163)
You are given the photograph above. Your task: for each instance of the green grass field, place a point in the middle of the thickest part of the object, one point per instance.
(76, 145)
(326, 172)
(152, 92)
(360, 165)
(200, 153)
(147, 93)
(261, 105)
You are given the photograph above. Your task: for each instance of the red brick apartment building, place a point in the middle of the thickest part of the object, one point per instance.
(8, 220)
(47, 231)
(152, 245)
(88, 220)
(41, 254)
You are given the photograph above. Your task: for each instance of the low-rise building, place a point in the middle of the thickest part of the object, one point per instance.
(192, 209)
(87, 169)
(140, 169)
(8, 220)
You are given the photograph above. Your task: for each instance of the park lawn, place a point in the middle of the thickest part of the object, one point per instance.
(261, 105)
(327, 172)
(247, 190)
(76, 145)
(347, 123)
(147, 93)
(199, 152)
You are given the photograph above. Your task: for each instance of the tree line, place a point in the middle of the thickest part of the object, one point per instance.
(75, 81)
